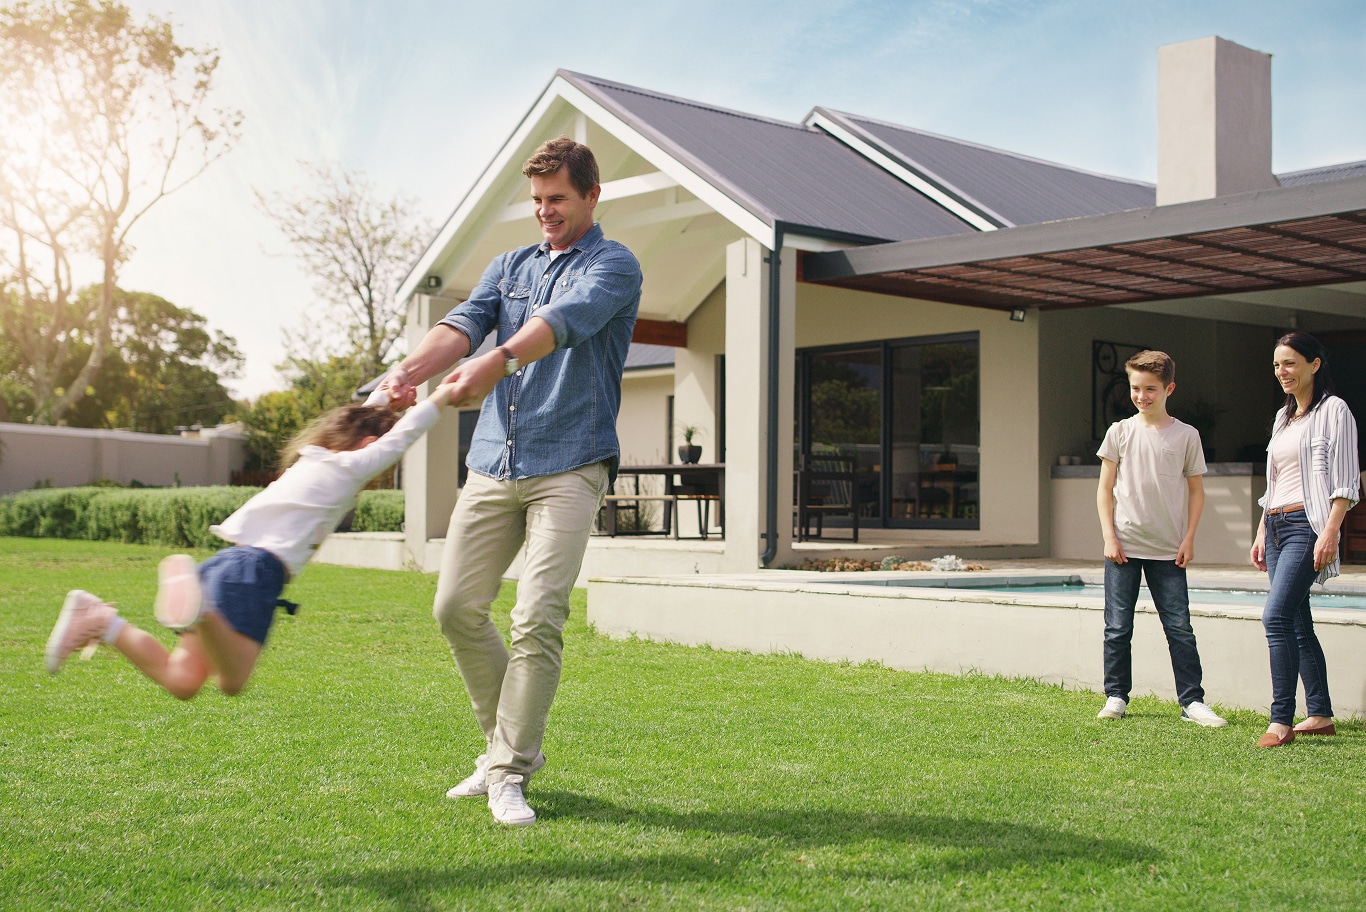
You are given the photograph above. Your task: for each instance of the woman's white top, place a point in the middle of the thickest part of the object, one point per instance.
(1284, 455)
(302, 507)
(1328, 465)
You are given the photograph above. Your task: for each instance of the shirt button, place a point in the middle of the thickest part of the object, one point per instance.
(512, 408)
(509, 443)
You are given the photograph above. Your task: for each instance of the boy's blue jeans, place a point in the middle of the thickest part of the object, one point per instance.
(1167, 582)
(1295, 649)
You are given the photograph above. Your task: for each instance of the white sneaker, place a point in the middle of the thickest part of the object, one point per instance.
(1201, 714)
(179, 600)
(1114, 708)
(84, 619)
(476, 783)
(508, 804)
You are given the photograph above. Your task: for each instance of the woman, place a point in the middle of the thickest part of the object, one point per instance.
(1312, 479)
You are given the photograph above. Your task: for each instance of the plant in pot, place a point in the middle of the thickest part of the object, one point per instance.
(689, 452)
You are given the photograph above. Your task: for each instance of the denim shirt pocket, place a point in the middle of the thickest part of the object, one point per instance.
(565, 282)
(516, 297)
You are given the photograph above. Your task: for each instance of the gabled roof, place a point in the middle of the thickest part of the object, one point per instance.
(1005, 188)
(779, 171)
(1324, 173)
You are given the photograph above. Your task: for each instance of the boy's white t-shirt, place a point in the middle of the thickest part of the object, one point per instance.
(1151, 497)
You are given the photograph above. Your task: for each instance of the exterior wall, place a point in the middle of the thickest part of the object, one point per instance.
(66, 457)
(642, 425)
(695, 388)
(1010, 483)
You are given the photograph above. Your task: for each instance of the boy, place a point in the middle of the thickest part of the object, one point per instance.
(1148, 516)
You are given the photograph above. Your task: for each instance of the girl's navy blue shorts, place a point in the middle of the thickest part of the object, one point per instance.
(243, 584)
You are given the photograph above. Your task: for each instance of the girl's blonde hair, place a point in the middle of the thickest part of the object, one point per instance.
(341, 429)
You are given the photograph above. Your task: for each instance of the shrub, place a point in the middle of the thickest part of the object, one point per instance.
(379, 511)
(176, 517)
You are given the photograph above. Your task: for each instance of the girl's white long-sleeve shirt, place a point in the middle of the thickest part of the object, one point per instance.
(1329, 468)
(292, 516)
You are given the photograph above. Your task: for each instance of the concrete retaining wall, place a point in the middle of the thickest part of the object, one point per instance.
(1053, 639)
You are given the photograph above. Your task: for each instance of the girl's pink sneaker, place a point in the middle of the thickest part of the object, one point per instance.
(84, 619)
(179, 600)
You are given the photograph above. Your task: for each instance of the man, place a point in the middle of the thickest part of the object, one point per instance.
(544, 454)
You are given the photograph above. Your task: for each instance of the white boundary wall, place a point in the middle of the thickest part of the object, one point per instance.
(67, 457)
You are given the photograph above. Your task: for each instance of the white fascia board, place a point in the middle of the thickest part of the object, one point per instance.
(612, 190)
(476, 197)
(900, 171)
(688, 179)
(814, 244)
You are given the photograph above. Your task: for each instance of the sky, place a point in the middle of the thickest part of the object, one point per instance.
(420, 95)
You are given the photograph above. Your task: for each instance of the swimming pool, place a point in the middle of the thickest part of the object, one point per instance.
(1075, 586)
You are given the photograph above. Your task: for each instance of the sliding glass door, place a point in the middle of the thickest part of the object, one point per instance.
(904, 414)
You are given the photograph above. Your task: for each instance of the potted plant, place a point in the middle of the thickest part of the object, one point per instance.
(689, 452)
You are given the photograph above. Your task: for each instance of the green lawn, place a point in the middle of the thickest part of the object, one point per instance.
(678, 778)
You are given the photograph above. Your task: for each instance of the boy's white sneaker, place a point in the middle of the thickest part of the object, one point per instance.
(179, 599)
(508, 804)
(1114, 708)
(1201, 714)
(83, 620)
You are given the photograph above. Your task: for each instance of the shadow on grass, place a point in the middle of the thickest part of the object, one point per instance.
(924, 848)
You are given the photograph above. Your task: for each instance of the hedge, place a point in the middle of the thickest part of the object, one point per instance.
(175, 517)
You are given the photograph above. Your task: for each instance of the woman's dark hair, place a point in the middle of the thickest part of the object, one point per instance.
(1309, 348)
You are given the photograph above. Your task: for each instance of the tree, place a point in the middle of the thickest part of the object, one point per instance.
(357, 248)
(104, 117)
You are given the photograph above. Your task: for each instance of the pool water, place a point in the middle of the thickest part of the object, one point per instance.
(1201, 596)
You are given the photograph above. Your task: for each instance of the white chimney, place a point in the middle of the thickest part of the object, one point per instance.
(1213, 120)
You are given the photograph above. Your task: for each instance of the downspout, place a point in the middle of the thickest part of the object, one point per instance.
(774, 337)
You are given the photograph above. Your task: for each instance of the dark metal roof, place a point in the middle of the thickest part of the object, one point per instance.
(1312, 234)
(641, 356)
(1324, 173)
(1024, 191)
(779, 171)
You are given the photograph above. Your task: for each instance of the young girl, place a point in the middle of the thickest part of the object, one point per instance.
(224, 607)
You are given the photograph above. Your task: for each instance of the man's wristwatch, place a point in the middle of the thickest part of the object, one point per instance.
(510, 364)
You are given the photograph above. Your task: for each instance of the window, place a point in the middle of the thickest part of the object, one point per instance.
(905, 414)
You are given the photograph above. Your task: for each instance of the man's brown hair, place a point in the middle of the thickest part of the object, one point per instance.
(1153, 362)
(563, 152)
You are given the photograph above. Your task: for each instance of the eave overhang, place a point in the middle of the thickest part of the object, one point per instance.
(1313, 234)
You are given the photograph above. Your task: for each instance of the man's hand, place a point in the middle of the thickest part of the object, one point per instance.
(475, 378)
(394, 391)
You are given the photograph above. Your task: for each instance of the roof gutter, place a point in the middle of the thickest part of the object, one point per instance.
(775, 276)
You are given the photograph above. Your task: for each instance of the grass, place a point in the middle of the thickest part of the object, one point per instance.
(678, 779)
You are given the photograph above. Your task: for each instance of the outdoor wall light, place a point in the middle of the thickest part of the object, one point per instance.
(433, 283)
(1017, 315)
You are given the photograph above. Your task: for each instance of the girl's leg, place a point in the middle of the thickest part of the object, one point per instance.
(182, 671)
(232, 654)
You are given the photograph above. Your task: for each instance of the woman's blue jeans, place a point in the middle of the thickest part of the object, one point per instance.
(1167, 583)
(1295, 650)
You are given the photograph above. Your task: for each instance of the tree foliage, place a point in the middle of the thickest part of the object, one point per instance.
(358, 248)
(104, 115)
(164, 369)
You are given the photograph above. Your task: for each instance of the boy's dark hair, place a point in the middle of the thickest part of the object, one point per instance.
(341, 429)
(563, 152)
(1309, 348)
(1153, 362)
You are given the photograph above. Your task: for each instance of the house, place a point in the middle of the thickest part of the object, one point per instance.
(945, 322)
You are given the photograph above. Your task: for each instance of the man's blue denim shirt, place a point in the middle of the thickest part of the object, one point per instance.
(560, 412)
